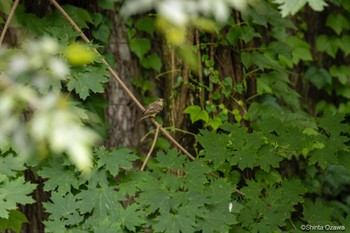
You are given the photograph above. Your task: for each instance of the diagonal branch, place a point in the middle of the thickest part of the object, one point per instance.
(120, 82)
(4, 30)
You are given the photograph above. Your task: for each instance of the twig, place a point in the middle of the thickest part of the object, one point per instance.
(200, 73)
(290, 221)
(4, 30)
(167, 135)
(150, 150)
(117, 78)
(239, 192)
(172, 129)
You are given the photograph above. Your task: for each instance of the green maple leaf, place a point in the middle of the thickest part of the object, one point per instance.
(268, 158)
(293, 191)
(155, 199)
(219, 192)
(64, 209)
(101, 199)
(252, 190)
(128, 183)
(217, 219)
(93, 79)
(54, 226)
(59, 177)
(160, 195)
(9, 165)
(326, 155)
(172, 182)
(195, 175)
(116, 159)
(332, 123)
(13, 192)
(317, 212)
(130, 217)
(171, 160)
(183, 221)
(106, 224)
(333, 141)
(246, 156)
(215, 146)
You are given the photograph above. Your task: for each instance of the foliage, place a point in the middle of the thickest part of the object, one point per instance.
(161, 199)
(290, 7)
(31, 81)
(176, 195)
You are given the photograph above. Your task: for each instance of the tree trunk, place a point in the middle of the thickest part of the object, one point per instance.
(121, 112)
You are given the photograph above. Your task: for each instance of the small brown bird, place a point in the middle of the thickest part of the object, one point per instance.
(152, 109)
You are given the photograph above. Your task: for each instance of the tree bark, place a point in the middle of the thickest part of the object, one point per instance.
(121, 112)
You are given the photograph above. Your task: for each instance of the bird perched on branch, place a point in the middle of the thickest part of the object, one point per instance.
(152, 109)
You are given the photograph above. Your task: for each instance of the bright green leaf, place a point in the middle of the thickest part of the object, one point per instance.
(196, 113)
(140, 46)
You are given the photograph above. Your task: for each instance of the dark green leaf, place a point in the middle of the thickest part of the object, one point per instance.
(327, 44)
(316, 212)
(342, 73)
(318, 77)
(115, 159)
(146, 24)
(301, 49)
(171, 160)
(152, 62)
(337, 22)
(14, 221)
(130, 217)
(173, 223)
(214, 145)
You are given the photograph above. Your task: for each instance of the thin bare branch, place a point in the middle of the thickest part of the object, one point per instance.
(151, 150)
(9, 18)
(167, 135)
